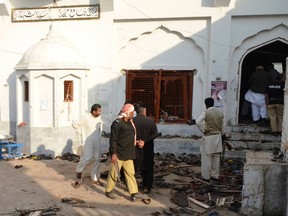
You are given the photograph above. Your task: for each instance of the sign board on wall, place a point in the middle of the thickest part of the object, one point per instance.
(76, 12)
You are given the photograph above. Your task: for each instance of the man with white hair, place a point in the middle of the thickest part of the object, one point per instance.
(122, 150)
(258, 85)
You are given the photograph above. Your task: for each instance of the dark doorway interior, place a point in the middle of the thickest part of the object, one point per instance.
(274, 52)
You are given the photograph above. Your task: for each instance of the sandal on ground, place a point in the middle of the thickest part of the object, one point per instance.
(147, 201)
(76, 184)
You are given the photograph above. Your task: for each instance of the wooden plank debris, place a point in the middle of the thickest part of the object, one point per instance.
(198, 203)
(36, 213)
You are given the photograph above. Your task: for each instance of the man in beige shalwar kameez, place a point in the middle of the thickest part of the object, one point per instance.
(90, 128)
(211, 124)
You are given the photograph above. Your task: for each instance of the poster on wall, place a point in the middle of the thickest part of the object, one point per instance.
(218, 93)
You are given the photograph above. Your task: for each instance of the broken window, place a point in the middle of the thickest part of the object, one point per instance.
(68, 90)
(166, 94)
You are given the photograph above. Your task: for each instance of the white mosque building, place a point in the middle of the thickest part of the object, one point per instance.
(60, 57)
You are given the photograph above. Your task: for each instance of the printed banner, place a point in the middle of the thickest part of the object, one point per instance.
(218, 92)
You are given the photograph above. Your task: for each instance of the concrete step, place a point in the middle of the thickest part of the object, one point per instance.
(187, 139)
(256, 146)
(246, 128)
(252, 136)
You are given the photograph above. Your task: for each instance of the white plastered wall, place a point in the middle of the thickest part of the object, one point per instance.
(153, 46)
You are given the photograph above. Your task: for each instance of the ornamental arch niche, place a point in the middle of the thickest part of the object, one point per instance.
(269, 45)
(156, 62)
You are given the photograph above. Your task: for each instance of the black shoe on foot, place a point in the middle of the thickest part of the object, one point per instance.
(78, 175)
(262, 122)
(110, 195)
(206, 180)
(146, 190)
(135, 196)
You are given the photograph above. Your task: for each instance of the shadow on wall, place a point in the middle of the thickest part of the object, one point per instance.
(72, 148)
(41, 149)
(68, 147)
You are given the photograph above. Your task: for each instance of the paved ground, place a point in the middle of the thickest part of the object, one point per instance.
(44, 183)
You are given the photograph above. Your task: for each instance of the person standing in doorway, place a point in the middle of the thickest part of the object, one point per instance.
(273, 72)
(211, 124)
(276, 104)
(258, 85)
(90, 129)
(146, 131)
(122, 151)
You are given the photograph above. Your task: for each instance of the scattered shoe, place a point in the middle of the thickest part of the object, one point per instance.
(147, 201)
(78, 175)
(228, 145)
(110, 195)
(97, 183)
(213, 213)
(76, 184)
(71, 200)
(18, 166)
(180, 199)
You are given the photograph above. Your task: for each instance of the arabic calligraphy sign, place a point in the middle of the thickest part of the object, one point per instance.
(77, 12)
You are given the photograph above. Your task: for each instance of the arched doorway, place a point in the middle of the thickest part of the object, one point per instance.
(271, 52)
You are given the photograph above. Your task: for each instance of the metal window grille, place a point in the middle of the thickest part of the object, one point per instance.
(167, 95)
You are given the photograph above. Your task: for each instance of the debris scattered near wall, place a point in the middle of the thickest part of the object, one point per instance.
(193, 195)
(46, 211)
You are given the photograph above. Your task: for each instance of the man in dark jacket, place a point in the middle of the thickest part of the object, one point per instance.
(122, 150)
(146, 131)
(275, 104)
(256, 95)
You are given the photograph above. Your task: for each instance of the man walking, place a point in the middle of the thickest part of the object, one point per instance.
(122, 151)
(90, 129)
(211, 120)
(146, 131)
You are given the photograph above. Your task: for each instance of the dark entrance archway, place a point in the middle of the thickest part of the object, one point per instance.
(276, 51)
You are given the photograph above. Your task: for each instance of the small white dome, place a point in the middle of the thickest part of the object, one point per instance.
(52, 52)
